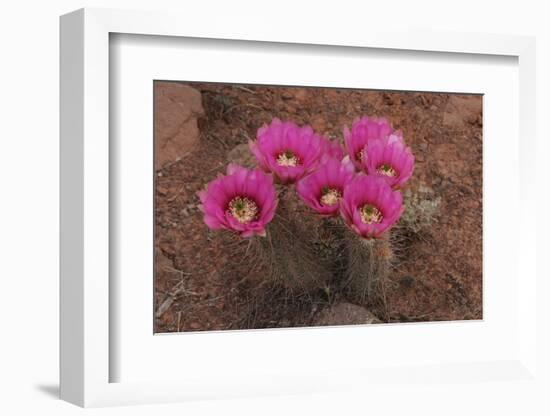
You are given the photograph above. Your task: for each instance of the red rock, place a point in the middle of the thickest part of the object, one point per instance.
(319, 123)
(177, 108)
(301, 94)
(461, 110)
(345, 314)
(195, 325)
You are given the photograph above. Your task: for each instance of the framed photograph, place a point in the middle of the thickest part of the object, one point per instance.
(286, 213)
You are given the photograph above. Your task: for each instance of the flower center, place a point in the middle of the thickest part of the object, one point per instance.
(359, 155)
(288, 158)
(243, 209)
(330, 196)
(386, 170)
(369, 214)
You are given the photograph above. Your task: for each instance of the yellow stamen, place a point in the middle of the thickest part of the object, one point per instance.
(288, 158)
(369, 214)
(330, 196)
(243, 209)
(386, 170)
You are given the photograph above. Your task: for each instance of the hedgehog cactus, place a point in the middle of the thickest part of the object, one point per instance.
(360, 187)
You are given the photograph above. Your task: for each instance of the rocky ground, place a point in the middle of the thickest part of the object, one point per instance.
(199, 282)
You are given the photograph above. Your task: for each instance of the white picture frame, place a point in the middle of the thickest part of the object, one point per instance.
(86, 353)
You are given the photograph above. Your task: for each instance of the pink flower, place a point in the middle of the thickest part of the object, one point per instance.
(369, 206)
(331, 149)
(243, 201)
(322, 190)
(363, 131)
(286, 150)
(390, 159)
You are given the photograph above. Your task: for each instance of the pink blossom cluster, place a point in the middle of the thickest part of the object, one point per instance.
(359, 182)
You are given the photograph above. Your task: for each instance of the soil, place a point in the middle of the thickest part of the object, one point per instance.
(200, 281)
